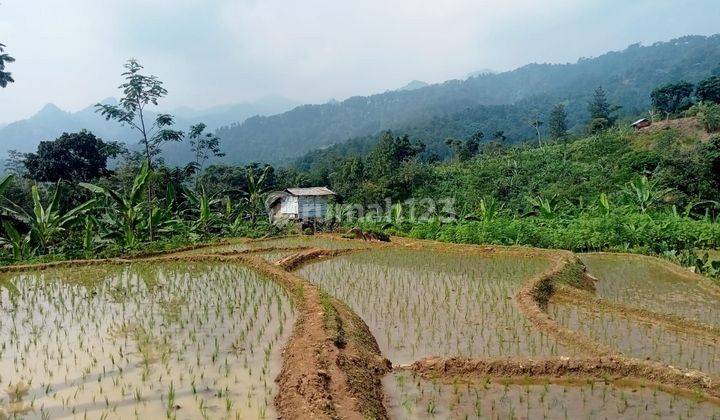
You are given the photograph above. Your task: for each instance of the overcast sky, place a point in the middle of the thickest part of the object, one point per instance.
(212, 52)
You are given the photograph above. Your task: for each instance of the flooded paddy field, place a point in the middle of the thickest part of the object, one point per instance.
(650, 284)
(152, 340)
(233, 246)
(642, 340)
(472, 332)
(420, 303)
(411, 396)
(274, 256)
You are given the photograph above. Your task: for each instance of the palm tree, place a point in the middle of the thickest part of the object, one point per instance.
(5, 77)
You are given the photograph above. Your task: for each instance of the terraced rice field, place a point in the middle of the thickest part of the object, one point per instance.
(282, 242)
(408, 330)
(410, 396)
(234, 246)
(274, 256)
(647, 283)
(171, 339)
(641, 339)
(309, 242)
(421, 303)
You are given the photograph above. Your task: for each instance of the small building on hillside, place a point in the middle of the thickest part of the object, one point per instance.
(300, 204)
(641, 123)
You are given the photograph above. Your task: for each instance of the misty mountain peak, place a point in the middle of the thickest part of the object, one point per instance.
(415, 84)
(50, 110)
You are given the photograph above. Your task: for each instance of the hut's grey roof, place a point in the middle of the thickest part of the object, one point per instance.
(639, 121)
(309, 191)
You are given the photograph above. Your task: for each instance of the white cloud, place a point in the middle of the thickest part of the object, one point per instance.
(209, 52)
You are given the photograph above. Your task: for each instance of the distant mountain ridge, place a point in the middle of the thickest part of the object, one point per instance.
(415, 84)
(51, 121)
(504, 101)
(281, 133)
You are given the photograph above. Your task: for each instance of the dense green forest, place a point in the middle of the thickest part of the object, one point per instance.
(505, 102)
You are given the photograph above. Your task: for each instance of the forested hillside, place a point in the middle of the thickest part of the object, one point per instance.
(488, 102)
(51, 122)
(656, 190)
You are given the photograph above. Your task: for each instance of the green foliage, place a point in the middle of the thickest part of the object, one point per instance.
(489, 209)
(557, 123)
(672, 98)
(5, 183)
(602, 113)
(203, 145)
(5, 76)
(255, 193)
(545, 207)
(588, 194)
(708, 90)
(139, 92)
(391, 169)
(709, 115)
(46, 222)
(457, 109)
(645, 194)
(205, 217)
(77, 156)
(466, 150)
(123, 219)
(621, 232)
(20, 244)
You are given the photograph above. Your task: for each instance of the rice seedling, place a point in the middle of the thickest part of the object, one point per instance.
(162, 340)
(640, 339)
(273, 256)
(422, 398)
(648, 284)
(421, 303)
(228, 247)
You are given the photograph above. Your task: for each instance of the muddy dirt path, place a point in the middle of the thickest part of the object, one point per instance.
(609, 368)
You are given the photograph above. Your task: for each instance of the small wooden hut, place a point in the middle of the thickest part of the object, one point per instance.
(301, 204)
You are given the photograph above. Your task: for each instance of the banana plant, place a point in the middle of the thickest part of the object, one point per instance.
(125, 212)
(488, 209)
(255, 190)
(395, 217)
(5, 183)
(645, 193)
(234, 216)
(605, 203)
(47, 221)
(547, 208)
(689, 207)
(165, 216)
(202, 209)
(20, 244)
(89, 235)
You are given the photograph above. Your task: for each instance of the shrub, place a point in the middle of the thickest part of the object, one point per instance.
(709, 114)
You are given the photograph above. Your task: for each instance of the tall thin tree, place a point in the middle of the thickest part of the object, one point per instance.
(139, 93)
(205, 146)
(557, 122)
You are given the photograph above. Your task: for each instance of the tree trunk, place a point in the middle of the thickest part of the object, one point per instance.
(150, 175)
